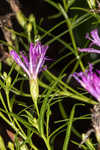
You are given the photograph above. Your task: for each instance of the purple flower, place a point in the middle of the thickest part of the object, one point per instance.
(36, 59)
(94, 37)
(95, 40)
(90, 81)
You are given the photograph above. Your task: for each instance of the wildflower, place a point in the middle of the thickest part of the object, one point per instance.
(36, 59)
(90, 81)
(95, 40)
(32, 67)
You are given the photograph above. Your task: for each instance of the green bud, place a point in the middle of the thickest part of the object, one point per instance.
(35, 123)
(5, 75)
(33, 21)
(31, 18)
(13, 36)
(36, 38)
(21, 18)
(9, 61)
(29, 27)
(10, 145)
(7, 79)
(10, 45)
(24, 147)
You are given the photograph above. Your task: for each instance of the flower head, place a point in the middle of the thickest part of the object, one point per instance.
(94, 37)
(95, 40)
(90, 81)
(36, 59)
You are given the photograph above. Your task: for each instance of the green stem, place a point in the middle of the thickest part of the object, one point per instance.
(17, 131)
(29, 37)
(17, 123)
(3, 102)
(10, 109)
(8, 101)
(47, 143)
(36, 107)
(69, 24)
(33, 146)
(12, 125)
(9, 106)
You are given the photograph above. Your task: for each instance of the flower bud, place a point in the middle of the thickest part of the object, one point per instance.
(10, 44)
(5, 75)
(13, 36)
(10, 145)
(33, 21)
(7, 79)
(21, 19)
(31, 18)
(35, 121)
(29, 27)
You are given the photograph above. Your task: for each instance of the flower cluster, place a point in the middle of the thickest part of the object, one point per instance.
(90, 81)
(95, 40)
(36, 59)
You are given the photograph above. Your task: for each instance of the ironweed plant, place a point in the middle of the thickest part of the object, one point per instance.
(51, 102)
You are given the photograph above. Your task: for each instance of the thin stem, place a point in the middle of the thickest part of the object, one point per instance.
(29, 37)
(9, 106)
(33, 146)
(8, 101)
(37, 110)
(69, 24)
(17, 123)
(10, 109)
(3, 102)
(47, 143)
(12, 125)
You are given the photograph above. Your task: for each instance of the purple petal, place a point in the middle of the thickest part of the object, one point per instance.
(25, 59)
(95, 36)
(17, 59)
(37, 58)
(75, 75)
(42, 58)
(89, 50)
(31, 56)
(87, 36)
